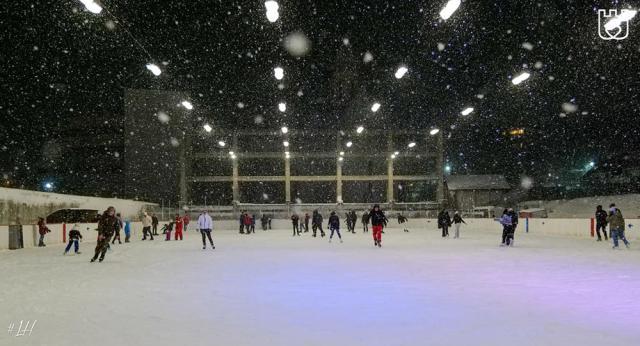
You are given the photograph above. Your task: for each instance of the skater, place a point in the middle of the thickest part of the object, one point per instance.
(378, 221)
(247, 222)
(444, 222)
(401, 220)
(166, 230)
(316, 223)
(601, 222)
(42, 230)
(507, 228)
(146, 226)
(457, 222)
(154, 223)
(264, 220)
(127, 231)
(185, 220)
(253, 223)
(354, 221)
(295, 220)
(242, 222)
(269, 222)
(306, 222)
(120, 226)
(106, 228)
(348, 221)
(514, 224)
(334, 225)
(365, 221)
(616, 227)
(74, 239)
(205, 224)
(179, 225)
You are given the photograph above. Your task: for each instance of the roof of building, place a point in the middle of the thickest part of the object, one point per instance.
(477, 182)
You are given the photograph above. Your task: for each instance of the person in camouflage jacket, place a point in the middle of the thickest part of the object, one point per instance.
(107, 226)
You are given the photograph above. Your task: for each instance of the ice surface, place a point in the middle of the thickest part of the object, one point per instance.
(273, 289)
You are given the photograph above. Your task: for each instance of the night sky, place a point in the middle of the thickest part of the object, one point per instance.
(65, 71)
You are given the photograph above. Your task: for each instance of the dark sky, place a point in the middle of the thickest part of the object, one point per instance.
(64, 72)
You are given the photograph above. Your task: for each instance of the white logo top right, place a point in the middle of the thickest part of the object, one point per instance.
(614, 24)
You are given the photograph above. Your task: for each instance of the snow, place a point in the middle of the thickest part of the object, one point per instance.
(272, 289)
(586, 207)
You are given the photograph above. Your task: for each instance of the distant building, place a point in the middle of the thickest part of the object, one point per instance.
(469, 191)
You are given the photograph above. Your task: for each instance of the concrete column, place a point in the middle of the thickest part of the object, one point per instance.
(235, 186)
(287, 180)
(440, 169)
(339, 199)
(389, 169)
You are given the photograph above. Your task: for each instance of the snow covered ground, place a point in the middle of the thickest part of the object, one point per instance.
(270, 289)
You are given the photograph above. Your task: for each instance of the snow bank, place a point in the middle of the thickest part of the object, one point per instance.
(586, 207)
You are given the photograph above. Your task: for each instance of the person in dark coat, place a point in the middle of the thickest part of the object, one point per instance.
(106, 228)
(444, 222)
(264, 220)
(365, 221)
(154, 224)
(401, 220)
(316, 223)
(295, 220)
(42, 230)
(120, 226)
(334, 225)
(378, 221)
(306, 222)
(457, 222)
(601, 222)
(514, 225)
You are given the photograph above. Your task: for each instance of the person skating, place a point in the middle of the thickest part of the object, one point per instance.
(253, 223)
(120, 226)
(616, 227)
(242, 222)
(365, 221)
(378, 221)
(166, 230)
(127, 231)
(507, 228)
(186, 219)
(154, 224)
(264, 220)
(316, 223)
(348, 221)
(74, 239)
(246, 220)
(306, 222)
(457, 222)
(444, 222)
(334, 225)
(354, 221)
(205, 224)
(42, 230)
(601, 222)
(106, 228)
(401, 220)
(514, 224)
(179, 222)
(146, 226)
(295, 220)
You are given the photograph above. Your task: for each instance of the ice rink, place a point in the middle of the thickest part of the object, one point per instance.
(272, 289)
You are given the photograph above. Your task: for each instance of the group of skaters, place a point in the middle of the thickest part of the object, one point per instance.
(508, 220)
(376, 216)
(614, 219)
(445, 221)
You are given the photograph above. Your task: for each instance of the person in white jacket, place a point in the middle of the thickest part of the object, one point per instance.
(146, 226)
(205, 224)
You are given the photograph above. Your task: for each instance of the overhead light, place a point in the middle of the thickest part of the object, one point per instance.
(187, 105)
(342, 153)
(286, 144)
(467, 111)
(434, 132)
(272, 10)
(92, 6)
(449, 9)
(278, 73)
(623, 17)
(376, 106)
(349, 144)
(396, 153)
(231, 153)
(520, 78)
(222, 143)
(412, 144)
(284, 130)
(208, 127)
(393, 156)
(282, 107)
(287, 155)
(233, 156)
(360, 129)
(154, 69)
(447, 168)
(341, 159)
(402, 70)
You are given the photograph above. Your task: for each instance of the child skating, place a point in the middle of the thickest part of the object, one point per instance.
(334, 225)
(74, 239)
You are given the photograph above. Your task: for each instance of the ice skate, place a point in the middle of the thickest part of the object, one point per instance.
(92, 260)
(78, 253)
(627, 245)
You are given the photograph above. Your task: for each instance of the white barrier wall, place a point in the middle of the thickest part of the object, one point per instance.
(548, 227)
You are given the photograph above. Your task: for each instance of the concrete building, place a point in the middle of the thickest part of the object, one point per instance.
(469, 191)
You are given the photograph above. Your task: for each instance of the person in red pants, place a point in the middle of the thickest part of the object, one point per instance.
(378, 221)
(179, 225)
